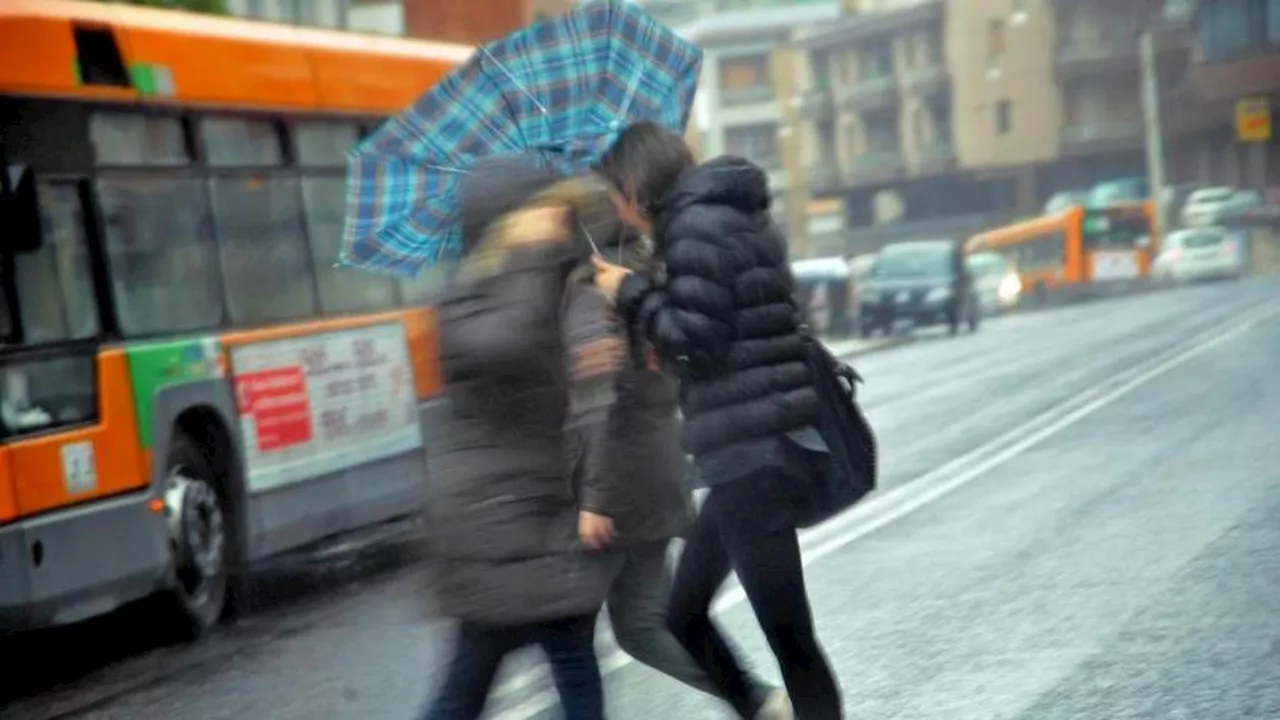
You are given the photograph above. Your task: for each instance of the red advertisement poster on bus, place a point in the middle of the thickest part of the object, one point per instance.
(277, 401)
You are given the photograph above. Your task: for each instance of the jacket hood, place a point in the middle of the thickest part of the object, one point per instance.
(731, 181)
(494, 187)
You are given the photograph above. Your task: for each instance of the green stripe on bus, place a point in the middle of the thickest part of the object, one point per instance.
(154, 366)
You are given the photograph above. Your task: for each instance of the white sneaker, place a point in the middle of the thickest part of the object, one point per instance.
(776, 707)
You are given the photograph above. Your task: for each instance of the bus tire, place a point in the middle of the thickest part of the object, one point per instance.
(1039, 295)
(199, 541)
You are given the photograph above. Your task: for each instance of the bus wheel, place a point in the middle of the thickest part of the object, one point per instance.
(1040, 295)
(197, 539)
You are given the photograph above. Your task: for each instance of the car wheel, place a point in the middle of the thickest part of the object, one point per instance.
(199, 541)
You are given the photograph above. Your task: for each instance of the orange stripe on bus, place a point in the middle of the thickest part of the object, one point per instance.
(8, 498)
(420, 334)
(224, 62)
(35, 465)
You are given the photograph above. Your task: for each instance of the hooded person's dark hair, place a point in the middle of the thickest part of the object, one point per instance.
(644, 163)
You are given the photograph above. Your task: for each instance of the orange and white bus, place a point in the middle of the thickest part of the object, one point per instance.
(1074, 249)
(187, 385)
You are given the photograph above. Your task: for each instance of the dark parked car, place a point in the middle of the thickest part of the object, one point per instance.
(921, 282)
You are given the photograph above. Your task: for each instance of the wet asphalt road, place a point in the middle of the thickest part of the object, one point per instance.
(1077, 520)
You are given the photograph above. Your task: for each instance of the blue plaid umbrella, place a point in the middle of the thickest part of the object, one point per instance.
(559, 90)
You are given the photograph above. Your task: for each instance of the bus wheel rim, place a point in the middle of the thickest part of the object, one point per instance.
(198, 529)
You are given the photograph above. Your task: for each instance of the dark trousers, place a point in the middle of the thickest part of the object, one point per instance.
(745, 528)
(568, 643)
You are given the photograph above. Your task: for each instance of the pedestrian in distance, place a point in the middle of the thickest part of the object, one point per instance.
(503, 522)
(724, 316)
(634, 475)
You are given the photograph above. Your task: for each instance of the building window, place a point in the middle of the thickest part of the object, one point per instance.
(1004, 117)
(1229, 28)
(1273, 22)
(739, 73)
(995, 42)
(758, 143)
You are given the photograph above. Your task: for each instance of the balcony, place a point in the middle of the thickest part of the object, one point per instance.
(869, 94)
(927, 80)
(1077, 59)
(815, 103)
(754, 95)
(824, 178)
(935, 158)
(874, 167)
(1104, 136)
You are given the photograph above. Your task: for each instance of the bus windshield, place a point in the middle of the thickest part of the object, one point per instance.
(1114, 231)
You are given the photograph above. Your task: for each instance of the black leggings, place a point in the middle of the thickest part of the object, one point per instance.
(742, 527)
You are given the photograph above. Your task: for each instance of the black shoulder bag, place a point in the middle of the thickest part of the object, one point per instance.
(848, 472)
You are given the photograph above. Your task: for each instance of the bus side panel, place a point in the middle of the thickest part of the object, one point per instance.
(87, 542)
(315, 467)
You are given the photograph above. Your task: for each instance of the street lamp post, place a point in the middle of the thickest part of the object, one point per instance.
(1153, 133)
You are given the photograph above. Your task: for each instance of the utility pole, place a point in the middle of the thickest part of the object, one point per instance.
(1153, 133)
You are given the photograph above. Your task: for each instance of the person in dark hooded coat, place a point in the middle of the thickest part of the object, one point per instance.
(725, 317)
(503, 520)
(635, 476)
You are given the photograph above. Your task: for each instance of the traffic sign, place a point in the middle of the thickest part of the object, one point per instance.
(1253, 119)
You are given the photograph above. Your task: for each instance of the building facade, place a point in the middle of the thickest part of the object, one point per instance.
(1236, 62)
(942, 116)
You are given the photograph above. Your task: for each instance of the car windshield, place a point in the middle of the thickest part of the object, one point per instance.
(902, 263)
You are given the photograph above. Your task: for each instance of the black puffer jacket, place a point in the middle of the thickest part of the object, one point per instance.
(724, 312)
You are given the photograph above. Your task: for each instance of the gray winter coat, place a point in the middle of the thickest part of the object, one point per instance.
(502, 513)
(633, 468)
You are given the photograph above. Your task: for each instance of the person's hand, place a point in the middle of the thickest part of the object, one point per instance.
(536, 225)
(595, 531)
(598, 357)
(609, 277)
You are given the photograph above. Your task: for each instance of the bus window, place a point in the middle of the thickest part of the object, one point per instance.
(1042, 253)
(324, 144)
(266, 263)
(1115, 233)
(241, 142)
(49, 392)
(121, 138)
(341, 289)
(163, 257)
(55, 283)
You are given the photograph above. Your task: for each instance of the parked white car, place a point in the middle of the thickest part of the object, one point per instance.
(1199, 254)
(1204, 205)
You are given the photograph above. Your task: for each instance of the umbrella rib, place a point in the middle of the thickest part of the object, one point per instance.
(542, 108)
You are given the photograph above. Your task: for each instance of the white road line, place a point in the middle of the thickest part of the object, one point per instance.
(915, 494)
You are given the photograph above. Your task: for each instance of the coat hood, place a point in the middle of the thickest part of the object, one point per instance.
(730, 181)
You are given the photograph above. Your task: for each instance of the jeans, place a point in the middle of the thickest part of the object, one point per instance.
(638, 604)
(568, 643)
(744, 526)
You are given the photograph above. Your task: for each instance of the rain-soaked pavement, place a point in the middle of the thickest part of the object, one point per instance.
(1077, 520)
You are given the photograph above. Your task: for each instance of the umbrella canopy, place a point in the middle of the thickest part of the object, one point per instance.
(559, 90)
